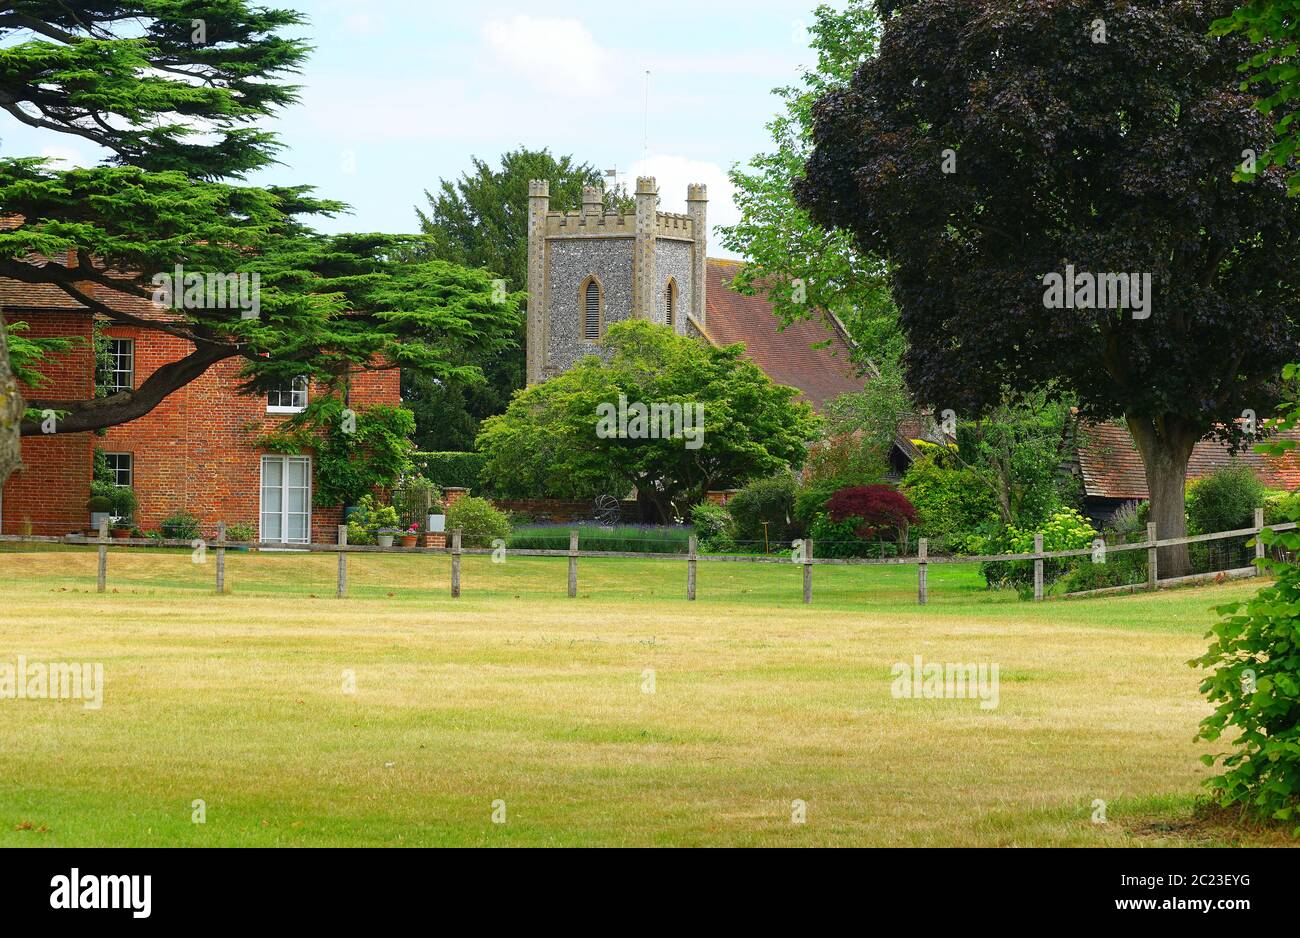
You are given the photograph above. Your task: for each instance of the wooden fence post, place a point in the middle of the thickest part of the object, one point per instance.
(573, 564)
(1038, 568)
(922, 571)
(103, 555)
(455, 563)
(692, 545)
(1259, 544)
(343, 561)
(1152, 553)
(807, 570)
(221, 556)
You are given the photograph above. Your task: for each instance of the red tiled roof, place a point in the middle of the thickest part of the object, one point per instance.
(786, 356)
(1112, 468)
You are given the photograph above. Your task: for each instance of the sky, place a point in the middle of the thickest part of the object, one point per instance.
(399, 95)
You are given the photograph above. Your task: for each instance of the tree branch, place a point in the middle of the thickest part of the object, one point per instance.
(119, 408)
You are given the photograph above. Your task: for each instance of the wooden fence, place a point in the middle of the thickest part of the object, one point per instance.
(800, 555)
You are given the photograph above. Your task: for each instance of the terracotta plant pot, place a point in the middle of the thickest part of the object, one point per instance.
(410, 540)
(121, 533)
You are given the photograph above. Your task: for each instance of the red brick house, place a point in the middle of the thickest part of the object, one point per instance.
(195, 452)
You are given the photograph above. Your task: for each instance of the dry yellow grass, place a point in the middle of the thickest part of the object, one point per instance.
(516, 694)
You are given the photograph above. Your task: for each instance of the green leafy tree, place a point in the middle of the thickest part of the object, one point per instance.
(550, 442)
(1273, 25)
(1067, 151)
(1255, 681)
(173, 91)
(803, 268)
(481, 220)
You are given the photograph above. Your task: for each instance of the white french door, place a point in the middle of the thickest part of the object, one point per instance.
(286, 499)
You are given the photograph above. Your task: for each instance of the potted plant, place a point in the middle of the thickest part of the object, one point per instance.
(100, 508)
(124, 506)
(411, 535)
(372, 520)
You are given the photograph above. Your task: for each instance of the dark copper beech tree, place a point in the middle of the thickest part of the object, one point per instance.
(990, 143)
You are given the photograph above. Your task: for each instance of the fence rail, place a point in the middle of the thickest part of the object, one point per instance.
(800, 555)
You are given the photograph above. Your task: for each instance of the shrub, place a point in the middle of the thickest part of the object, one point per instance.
(478, 521)
(952, 504)
(181, 526)
(840, 539)
(878, 509)
(1065, 529)
(370, 517)
(1224, 501)
(1255, 684)
(241, 531)
(838, 458)
(99, 503)
(455, 470)
(1281, 507)
(770, 500)
(124, 503)
(713, 528)
(810, 501)
(1123, 568)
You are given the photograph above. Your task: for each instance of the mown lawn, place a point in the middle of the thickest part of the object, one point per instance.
(516, 694)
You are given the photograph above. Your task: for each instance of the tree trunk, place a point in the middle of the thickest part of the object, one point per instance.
(12, 407)
(1166, 446)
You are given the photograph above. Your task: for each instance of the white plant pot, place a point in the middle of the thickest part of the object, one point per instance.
(385, 540)
(437, 524)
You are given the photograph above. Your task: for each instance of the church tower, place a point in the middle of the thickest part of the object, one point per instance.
(589, 269)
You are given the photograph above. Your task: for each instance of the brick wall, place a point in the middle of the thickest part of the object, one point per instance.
(48, 495)
(195, 451)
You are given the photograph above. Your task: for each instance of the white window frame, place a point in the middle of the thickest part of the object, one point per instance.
(297, 390)
(130, 472)
(114, 370)
(284, 502)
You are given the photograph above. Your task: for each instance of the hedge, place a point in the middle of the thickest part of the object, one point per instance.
(456, 470)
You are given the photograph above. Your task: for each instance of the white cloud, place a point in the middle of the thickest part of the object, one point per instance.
(675, 173)
(63, 158)
(559, 55)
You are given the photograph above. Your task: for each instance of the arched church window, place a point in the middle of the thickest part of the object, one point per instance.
(670, 301)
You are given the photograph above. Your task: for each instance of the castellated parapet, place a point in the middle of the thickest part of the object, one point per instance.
(588, 269)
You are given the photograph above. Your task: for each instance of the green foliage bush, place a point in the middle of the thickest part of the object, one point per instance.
(810, 501)
(840, 539)
(953, 504)
(1255, 685)
(1224, 501)
(770, 500)
(1281, 507)
(1065, 529)
(241, 531)
(181, 526)
(713, 528)
(370, 517)
(452, 470)
(125, 504)
(479, 522)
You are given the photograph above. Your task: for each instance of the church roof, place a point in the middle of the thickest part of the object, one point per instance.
(808, 355)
